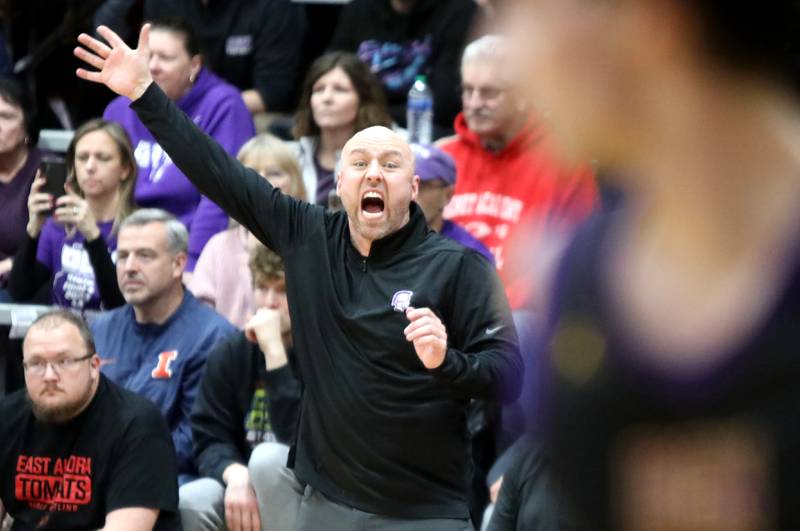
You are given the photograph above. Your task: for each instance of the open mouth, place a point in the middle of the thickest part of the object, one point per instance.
(372, 204)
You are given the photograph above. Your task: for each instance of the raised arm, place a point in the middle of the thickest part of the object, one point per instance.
(274, 218)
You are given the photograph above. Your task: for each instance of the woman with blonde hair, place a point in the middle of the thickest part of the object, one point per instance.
(71, 239)
(222, 277)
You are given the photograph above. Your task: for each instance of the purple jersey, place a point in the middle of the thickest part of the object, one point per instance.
(74, 284)
(218, 109)
(456, 232)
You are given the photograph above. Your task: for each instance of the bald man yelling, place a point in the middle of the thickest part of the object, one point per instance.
(395, 328)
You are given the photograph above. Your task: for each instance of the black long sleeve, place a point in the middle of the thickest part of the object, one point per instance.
(274, 218)
(397, 427)
(105, 274)
(225, 397)
(27, 275)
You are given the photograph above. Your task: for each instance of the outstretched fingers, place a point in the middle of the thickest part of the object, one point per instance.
(144, 39)
(112, 38)
(95, 77)
(89, 58)
(95, 45)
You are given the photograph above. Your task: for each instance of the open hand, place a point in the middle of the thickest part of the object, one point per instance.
(428, 334)
(121, 69)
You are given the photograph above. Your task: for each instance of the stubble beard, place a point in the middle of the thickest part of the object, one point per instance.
(61, 413)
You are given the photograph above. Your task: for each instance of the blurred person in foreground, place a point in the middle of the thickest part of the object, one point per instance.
(245, 416)
(77, 451)
(222, 278)
(674, 401)
(414, 325)
(512, 181)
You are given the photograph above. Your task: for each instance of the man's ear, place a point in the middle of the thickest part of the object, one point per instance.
(94, 365)
(414, 187)
(180, 264)
(196, 63)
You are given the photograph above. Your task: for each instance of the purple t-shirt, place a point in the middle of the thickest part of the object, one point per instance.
(14, 205)
(325, 182)
(218, 109)
(74, 284)
(456, 232)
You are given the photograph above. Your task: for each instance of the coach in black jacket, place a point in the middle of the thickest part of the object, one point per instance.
(395, 328)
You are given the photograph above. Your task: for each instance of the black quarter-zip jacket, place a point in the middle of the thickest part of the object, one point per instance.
(378, 431)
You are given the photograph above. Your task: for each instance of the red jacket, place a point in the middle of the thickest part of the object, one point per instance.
(514, 195)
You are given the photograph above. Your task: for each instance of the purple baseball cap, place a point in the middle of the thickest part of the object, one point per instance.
(433, 163)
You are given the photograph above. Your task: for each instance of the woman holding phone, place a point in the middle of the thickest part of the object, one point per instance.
(72, 238)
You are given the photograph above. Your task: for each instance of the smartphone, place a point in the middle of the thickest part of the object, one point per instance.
(55, 173)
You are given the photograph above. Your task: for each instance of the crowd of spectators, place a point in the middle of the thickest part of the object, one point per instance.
(339, 329)
(166, 277)
(170, 282)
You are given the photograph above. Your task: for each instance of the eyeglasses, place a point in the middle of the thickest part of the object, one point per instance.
(39, 367)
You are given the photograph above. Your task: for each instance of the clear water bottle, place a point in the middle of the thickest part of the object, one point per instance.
(419, 112)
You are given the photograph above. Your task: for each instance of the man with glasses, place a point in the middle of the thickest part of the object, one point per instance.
(77, 451)
(507, 176)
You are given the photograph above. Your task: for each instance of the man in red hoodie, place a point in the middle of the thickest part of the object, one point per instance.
(512, 192)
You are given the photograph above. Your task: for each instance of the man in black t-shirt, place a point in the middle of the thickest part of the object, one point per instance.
(77, 451)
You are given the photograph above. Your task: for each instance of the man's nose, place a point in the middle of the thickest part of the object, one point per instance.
(49, 372)
(374, 170)
(129, 263)
(271, 299)
(473, 99)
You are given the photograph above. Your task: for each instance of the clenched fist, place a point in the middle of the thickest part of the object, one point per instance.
(428, 335)
(264, 328)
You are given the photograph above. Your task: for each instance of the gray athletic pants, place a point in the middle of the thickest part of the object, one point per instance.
(319, 513)
(285, 505)
(202, 501)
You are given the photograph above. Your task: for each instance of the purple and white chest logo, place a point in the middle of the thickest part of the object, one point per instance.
(402, 300)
